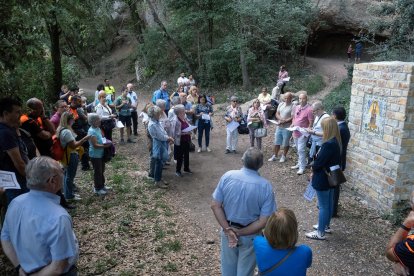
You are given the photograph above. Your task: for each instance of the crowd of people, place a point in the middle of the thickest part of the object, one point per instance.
(254, 232)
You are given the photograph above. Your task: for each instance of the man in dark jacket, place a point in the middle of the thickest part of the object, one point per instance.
(339, 114)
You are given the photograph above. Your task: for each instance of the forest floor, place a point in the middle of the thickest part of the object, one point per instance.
(140, 230)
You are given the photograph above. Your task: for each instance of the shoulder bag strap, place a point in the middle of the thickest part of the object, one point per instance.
(320, 117)
(279, 263)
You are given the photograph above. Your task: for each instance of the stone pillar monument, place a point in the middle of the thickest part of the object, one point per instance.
(380, 162)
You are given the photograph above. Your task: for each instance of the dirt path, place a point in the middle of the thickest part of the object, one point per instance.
(333, 72)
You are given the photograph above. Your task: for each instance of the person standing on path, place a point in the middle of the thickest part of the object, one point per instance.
(303, 118)
(233, 114)
(123, 105)
(162, 94)
(358, 51)
(349, 52)
(316, 130)
(109, 90)
(242, 203)
(282, 135)
(339, 113)
(255, 119)
(132, 95)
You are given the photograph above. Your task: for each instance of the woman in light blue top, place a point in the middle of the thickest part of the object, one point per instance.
(160, 140)
(96, 153)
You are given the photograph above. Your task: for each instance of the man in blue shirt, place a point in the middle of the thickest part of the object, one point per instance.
(242, 203)
(162, 94)
(37, 234)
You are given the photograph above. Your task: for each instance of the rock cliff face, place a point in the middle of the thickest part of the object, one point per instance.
(343, 19)
(346, 15)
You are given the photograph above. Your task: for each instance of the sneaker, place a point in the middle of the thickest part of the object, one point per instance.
(295, 167)
(327, 229)
(273, 158)
(315, 235)
(149, 177)
(165, 182)
(175, 161)
(227, 151)
(300, 172)
(74, 198)
(188, 171)
(282, 159)
(161, 185)
(130, 141)
(107, 188)
(101, 192)
(199, 150)
(179, 174)
(208, 149)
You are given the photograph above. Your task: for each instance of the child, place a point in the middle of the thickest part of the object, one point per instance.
(349, 52)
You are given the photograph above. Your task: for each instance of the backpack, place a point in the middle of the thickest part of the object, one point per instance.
(56, 149)
(242, 128)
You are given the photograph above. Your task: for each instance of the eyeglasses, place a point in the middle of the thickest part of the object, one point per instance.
(234, 101)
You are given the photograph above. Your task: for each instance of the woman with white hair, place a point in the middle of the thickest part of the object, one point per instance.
(160, 140)
(96, 153)
(182, 140)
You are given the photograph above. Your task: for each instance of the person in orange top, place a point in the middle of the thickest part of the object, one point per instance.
(38, 125)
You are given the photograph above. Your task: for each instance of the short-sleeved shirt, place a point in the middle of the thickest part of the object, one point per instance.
(245, 195)
(285, 112)
(302, 116)
(318, 128)
(188, 106)
(96, 152)
(43, 145)
(109, 90)
(404, 250)
(10, 140)
(55, 119)
(40, 231)
(132, 96)
(295, 264)
(65, 137)
(264, 99)
(125, 109)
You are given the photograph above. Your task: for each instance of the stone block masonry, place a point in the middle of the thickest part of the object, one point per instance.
(381, 119)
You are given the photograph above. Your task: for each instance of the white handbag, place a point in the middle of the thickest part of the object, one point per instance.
(260, 132)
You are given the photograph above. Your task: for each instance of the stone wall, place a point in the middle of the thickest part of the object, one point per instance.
(381, 120)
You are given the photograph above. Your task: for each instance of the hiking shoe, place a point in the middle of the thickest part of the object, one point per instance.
(282, 159)
(227, 151)
(188, 171)
(160, 185)
(300, 172)
(295, 167)
(100, 192)
(199, 150)
(208, 149)
(314, 235)
(327, 228)
(273, 158)
(130, 141)
(179, 174)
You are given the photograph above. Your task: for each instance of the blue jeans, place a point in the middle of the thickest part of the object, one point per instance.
(238, 261)
(202, 126)
(156, 168)
(325, 202)
(70, 173)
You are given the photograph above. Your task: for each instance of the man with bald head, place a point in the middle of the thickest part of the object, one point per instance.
(38, 125)
(302, 117)
(282, 135)
(132, 95)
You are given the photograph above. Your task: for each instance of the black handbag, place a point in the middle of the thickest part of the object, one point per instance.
(335, 177)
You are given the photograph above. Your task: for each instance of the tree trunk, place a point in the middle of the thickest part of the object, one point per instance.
(138, 23)
(245, 72)
(54, 35)
(190, 65)
(210, 24)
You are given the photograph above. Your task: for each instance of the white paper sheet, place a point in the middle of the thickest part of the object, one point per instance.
(232, 126)
(119, 124)
(302, 130)
(286, 79)
(263, 107)
(274, 122)
(188, 129)
(103, 140)
(8, 180)
(205, 117)
(310, 192)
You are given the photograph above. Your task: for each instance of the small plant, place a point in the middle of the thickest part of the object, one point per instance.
(171, 267)
(173, 246)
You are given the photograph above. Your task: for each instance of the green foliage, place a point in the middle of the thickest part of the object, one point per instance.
(398, 21)
(340, 96)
